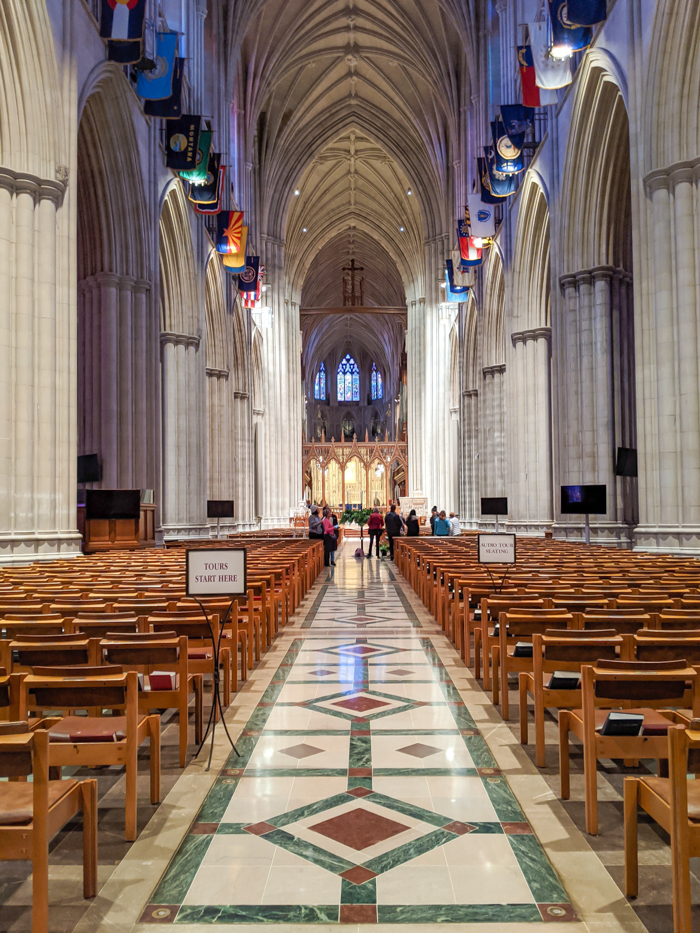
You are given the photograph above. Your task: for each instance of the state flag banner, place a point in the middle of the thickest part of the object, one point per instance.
(207, 193)
(454, 293)
(517, 119)
(533, 95)
(550, 73)
(124, 53)
(229, 229)
(482, 222)
(502, 184)
(252, 299)
(122, 19)
(587, 12)
(215, 206)
(235, 262)
(170, 108)
(567, 35)
(198, 175)
(248, 279)
(469, 252)
(182, 138)
(508, 151)
(157, 84)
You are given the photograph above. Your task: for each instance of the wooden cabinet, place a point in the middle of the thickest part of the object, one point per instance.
(118, 534)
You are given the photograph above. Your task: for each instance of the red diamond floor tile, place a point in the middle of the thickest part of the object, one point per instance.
(358, 874)
(359, 829)
(360, 704)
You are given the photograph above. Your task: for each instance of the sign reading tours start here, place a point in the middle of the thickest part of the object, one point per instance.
(216, 572)
(496, 549)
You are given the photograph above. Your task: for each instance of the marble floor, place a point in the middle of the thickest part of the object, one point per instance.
(372, 786)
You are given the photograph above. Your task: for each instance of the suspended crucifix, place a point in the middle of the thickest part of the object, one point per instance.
(353, 293)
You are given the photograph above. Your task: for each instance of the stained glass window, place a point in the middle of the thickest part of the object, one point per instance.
(377, 384)
(348, 380)
(320, 383)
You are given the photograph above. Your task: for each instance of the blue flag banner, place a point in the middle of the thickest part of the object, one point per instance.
(170, 108)
(485, 183)
(122, 19)
(248, 279)
(158, 83)
(214, 206)
(207, 193)
(455, 293)
(182, 138)
(501, 185)
(567, 36)
(517, 119)
(587, 12)
(508, 151)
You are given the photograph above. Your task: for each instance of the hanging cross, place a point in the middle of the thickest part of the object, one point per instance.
(352, 296)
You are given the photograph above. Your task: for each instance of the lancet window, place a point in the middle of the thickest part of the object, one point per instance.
(348, 380)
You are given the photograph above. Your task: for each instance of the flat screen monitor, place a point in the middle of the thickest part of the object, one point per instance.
(626, 464)
(494, 506)
(219, 508)
(113, 503)
(584, 500)
(89, 469)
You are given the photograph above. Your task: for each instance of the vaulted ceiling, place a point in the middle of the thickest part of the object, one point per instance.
(353, 103)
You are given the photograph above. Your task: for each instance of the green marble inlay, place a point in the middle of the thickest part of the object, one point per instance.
(410, 809)
(458, 913)
(231, 829)
(539, 874)
(359, 782)
(503, 800)
(479, 751)
(216, 801)
(423, 772)
(308, 850)
(179, 875)
(285, 913)
(360, 751)
(296, 772)
(409, 851)
(311, 809)
(308, 732)
(358, 893)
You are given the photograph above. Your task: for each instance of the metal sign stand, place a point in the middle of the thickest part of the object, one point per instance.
(216, 702)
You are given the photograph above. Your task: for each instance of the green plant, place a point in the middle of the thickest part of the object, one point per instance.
(357, 517)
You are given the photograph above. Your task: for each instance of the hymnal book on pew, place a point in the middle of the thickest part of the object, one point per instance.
(619, 723)
(159, 680)
(564, 680)
(523, 649)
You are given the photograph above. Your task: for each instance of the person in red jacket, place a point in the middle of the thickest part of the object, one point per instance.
(375, 525)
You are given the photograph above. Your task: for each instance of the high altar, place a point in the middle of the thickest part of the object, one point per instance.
(369, 473)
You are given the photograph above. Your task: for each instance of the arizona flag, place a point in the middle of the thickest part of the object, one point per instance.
(229, 230)
(533, 95)
(122, 19)
(235, 262)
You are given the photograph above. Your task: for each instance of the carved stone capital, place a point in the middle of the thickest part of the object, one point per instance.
(183, 340)
(536, 333)
(217, 373)
(499, 368)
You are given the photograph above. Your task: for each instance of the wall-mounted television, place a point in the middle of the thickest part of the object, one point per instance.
(584, 500)
(497, 506)
(89, 469)
(219, 508)
(113, 503)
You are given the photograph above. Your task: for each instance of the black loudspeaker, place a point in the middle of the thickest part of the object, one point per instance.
(626, 464)
(219, 508)
(89, 469)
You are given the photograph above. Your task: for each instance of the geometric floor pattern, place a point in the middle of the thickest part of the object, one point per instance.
(364, 792)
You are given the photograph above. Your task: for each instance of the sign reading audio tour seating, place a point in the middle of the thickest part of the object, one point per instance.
(496, 548)
(216, 572)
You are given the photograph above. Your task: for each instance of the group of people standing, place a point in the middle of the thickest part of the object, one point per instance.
(325, 527)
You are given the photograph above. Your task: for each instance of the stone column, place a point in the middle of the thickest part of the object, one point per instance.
(530, 493)
(470, 505)
(492, 425)
(220, 434)
(184, 436)
(37, 366)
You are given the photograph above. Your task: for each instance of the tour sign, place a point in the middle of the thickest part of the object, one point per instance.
(216, 572)
(496, 548)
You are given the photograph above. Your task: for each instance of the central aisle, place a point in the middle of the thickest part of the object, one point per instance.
(365, 793)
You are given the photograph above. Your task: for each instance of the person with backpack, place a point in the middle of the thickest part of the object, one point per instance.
(394, 526)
